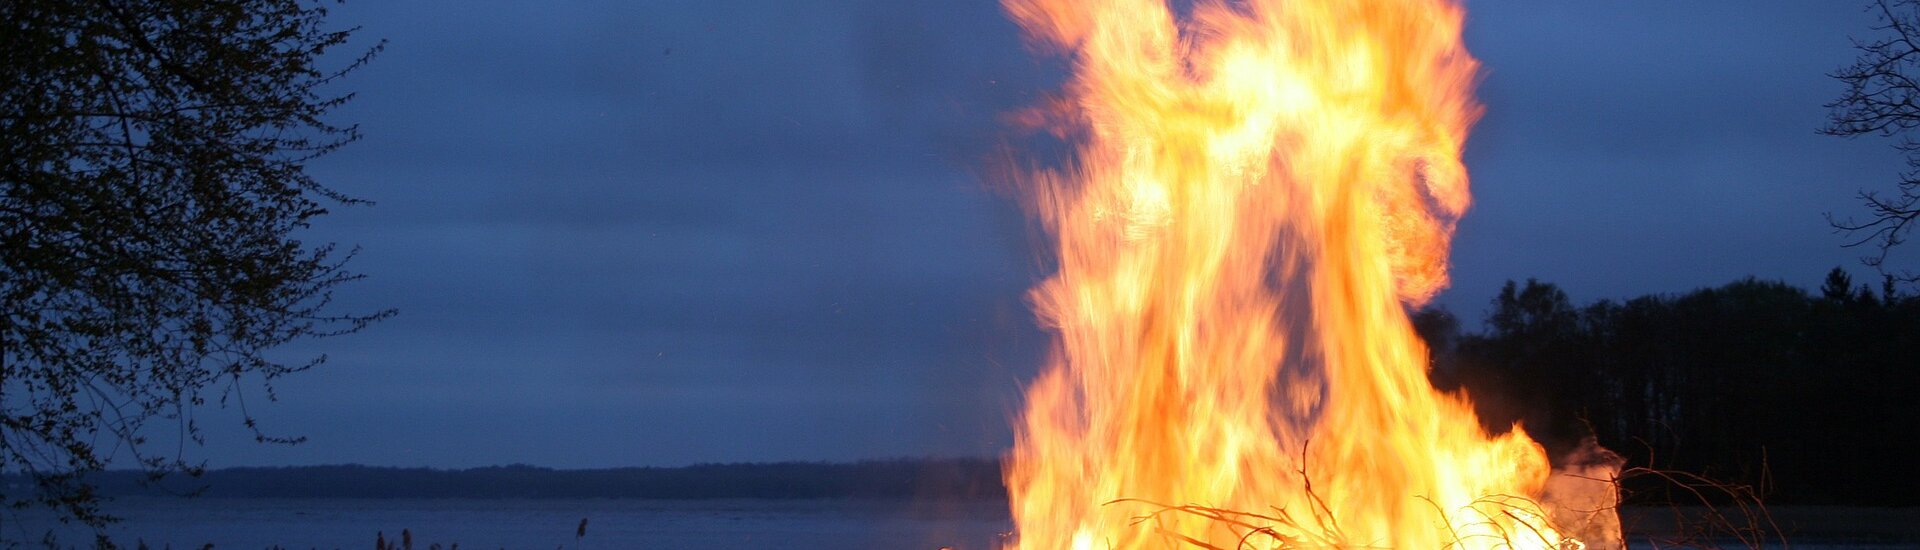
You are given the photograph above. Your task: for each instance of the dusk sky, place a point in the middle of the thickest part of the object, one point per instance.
(661, 233)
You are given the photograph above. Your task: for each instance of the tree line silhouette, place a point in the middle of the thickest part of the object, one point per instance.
(1811, 398)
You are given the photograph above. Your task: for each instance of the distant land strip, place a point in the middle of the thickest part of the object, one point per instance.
(877, 479)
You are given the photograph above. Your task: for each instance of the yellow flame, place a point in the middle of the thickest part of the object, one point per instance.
(1260, 193)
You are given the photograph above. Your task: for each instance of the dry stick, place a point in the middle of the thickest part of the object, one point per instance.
(1247, 540)
(1444, 521)
(1214, 514)
(1322, 513)
(1188, 539)
(1327, 522)
(1752, 536)
(1528, 505)
(1712, 511)
(1231, 518)
(1529, 526)
(1323, 538)
(1497, 527)
(1286, 518)
(1679, 519)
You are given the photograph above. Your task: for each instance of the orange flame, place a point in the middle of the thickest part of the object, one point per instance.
(1257, 197)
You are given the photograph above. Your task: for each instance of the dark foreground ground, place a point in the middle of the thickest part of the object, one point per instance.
(1777, 527)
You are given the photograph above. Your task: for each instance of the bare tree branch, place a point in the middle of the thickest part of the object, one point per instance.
(1882, 98)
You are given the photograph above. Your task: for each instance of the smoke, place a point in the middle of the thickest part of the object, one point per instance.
(1581, 496)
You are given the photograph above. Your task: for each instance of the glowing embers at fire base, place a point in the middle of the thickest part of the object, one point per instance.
(1260, 190)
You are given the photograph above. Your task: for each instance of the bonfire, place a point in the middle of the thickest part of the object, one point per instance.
(1260, 191)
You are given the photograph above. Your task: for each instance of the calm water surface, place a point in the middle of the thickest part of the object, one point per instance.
(246, 524)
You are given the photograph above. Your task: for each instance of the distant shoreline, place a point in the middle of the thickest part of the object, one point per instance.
(880, 479)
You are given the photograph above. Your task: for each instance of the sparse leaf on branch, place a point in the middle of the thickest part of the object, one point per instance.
(153, 185)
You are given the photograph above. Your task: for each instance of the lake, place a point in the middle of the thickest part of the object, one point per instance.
(247, 524)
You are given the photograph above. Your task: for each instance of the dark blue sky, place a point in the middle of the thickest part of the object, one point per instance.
(659, 233)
